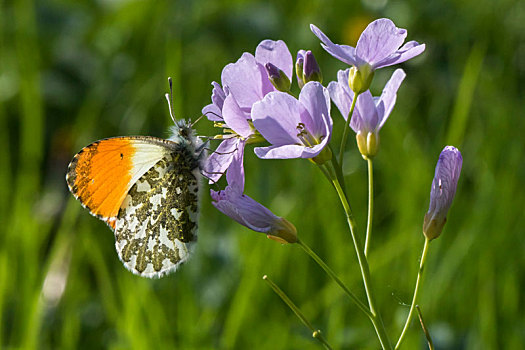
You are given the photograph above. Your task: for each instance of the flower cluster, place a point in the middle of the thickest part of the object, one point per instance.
(254, 104)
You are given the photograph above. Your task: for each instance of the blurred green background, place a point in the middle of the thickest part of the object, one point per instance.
(72, 72)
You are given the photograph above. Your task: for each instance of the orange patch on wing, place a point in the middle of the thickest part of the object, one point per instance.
(99, 175)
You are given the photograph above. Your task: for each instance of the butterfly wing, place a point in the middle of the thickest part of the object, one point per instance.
(146, 189)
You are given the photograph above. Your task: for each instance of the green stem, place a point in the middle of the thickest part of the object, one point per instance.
(334, 277)
(416, 292)
(346, 130)
(325, 173)
(315, 332)
(370, 204)
(338, 170)
(365, 271)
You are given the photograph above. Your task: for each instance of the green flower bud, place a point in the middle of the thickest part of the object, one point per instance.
(368, 144)
(283, 231)
(278, 78)
(359, 79)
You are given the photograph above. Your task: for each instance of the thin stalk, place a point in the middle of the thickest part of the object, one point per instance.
(416, 292)
(315, 332)
(334, 277)
(346, 130)
(325, 173)
(425, 329)
(338, 170)
(377, 321)
(370, 204)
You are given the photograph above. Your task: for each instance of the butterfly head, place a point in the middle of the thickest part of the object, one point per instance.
(184, 134)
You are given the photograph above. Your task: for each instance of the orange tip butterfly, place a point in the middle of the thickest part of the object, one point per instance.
(146, 189)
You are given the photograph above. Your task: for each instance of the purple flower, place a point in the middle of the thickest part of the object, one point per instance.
(378, 46)
(370, 113)
(247, 79)
(295, 128)
(243, 83)
(233, 144)
(213, 111)
(248, 212)
(443, 190)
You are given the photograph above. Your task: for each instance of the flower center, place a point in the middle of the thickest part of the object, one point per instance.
(228, 133)
(306, 137)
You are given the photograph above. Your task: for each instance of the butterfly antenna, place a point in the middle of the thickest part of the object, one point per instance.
(196, 121)
(169, 98)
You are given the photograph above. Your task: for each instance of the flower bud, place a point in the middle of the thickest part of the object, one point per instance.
(277, 77)
(283, 231)
(299, 69)
(311, 70)
(442, 192)
(359, 79)
(368, 144)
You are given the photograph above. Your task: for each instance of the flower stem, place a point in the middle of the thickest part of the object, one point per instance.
(416, 291)
(346, 130)
(334, 277)
(315, 332)
(338, 170)
(370, 204)
(365, 271)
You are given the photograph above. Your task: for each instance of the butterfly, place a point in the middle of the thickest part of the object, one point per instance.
(146, 189)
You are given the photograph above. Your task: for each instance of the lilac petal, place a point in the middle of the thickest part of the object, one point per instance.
(276, 53)
(256, 216)
(221, 158)
(218, 95)
(247, 80)
(341, 52)
(388, 97)
(244, 210)
(279, 152)
(301, 54)
(235, 172)
(235, 118)
(225, 202)
(342, 79)
(380, 39)
(408, 51)
(316, 99)
(289, 151)
(277, 116)
(212, 112)
(340, 98)
(341, 94)
(365, 117)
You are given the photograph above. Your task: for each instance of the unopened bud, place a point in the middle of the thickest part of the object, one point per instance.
(283, 231)
(311, 70)
(359, 79)
(442, 191)
(368, 144)
(432, 226)
(277, 77)
(299, 68)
